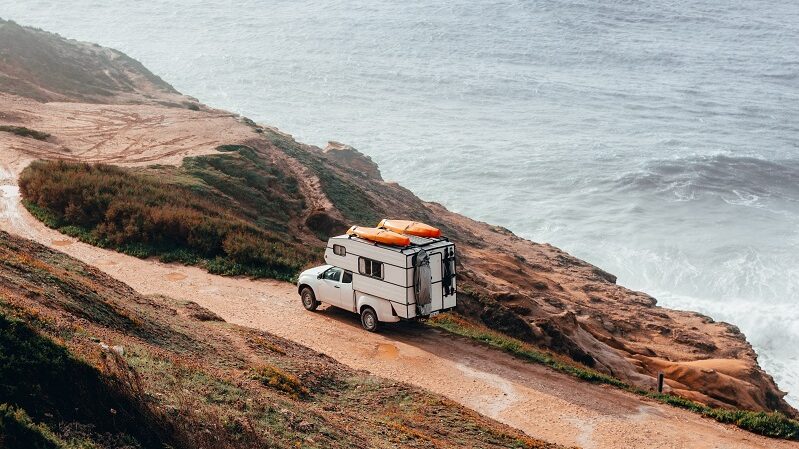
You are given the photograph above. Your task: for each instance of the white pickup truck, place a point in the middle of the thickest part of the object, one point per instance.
(383, 283)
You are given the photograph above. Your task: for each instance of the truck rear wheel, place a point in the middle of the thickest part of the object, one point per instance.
(308, 299)
(369, 319)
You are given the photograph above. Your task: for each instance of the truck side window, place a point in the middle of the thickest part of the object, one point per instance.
(333, 274)
(369, 267)
(347, 278)
(339, 250)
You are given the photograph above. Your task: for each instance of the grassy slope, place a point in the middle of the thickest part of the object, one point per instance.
(46, 67)
(230, 213)
(234, 213)
(349, 198)
(86, 362)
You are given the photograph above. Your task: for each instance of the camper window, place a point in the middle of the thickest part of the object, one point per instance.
(369, 267)
(339, 250)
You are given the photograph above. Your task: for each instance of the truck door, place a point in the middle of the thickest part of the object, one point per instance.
(347, 293)
(330, 287)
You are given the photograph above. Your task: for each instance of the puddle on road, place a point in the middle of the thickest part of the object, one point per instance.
(387, 351)
(175, 276)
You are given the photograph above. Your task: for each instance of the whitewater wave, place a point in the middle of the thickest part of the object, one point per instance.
(754, 289)
(736, 180)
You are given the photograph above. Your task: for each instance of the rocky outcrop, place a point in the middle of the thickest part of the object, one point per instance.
(348, 156)
(577, 309)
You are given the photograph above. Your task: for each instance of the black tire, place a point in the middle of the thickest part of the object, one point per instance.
(369, 319)
(308, 299)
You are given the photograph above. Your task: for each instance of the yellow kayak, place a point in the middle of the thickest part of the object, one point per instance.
(379, 235)
(410, 228)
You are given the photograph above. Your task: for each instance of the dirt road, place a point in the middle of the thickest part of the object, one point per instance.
(540, 402)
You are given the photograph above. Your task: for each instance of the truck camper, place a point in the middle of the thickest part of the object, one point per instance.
(397, 271)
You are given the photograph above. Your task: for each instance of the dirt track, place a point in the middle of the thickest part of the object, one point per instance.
(542, 403)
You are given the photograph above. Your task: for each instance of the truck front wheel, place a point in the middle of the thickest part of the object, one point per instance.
(309, 299)
(369, 319)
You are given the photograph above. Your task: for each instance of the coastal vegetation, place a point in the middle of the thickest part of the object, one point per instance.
(348, 198)
(774, 424)
(228, 213)
(24, 132)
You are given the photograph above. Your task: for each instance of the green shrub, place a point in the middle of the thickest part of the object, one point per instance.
(25, 132)
(141, 214)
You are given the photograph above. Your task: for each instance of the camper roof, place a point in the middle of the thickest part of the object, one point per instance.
(416, 243)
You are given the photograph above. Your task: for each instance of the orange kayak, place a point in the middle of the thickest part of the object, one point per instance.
(410, 228)
(379, 235)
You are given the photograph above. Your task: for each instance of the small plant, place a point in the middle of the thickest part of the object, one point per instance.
(275, 378)
(17, 429)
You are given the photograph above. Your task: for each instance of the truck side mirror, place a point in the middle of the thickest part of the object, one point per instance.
(320, 275)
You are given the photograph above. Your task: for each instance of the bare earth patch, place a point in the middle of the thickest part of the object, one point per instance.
(175, 276)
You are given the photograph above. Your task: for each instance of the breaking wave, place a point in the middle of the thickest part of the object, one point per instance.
(737, 180)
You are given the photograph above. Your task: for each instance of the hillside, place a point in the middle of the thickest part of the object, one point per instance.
(46, 67)
(294, 195)
(85, 359)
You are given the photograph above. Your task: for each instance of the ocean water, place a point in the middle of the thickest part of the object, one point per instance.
(656, 139)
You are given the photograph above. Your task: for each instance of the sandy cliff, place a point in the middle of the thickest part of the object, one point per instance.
(98, 105)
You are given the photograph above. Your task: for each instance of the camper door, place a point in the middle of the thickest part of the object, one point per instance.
(435, 269)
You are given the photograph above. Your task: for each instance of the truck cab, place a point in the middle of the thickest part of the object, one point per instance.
(334, 287)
